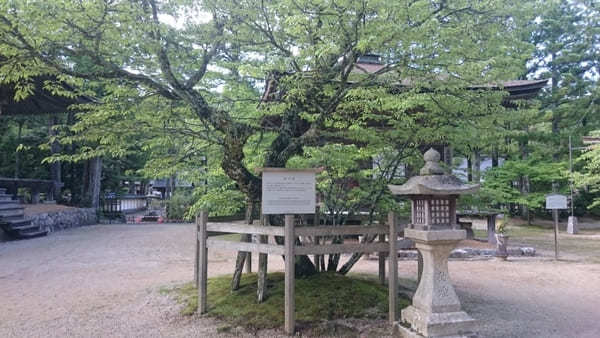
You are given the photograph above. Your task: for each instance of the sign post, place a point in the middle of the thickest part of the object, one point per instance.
(555, 202)
(289, 192)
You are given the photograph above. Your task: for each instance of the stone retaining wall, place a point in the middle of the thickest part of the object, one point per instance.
(59, 220)
(471, 252)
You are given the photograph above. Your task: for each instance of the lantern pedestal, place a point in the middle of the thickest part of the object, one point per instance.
(435, 310)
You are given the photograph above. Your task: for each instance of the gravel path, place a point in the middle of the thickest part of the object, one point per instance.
(105, 280)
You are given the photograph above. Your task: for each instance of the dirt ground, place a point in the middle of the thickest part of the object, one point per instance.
(106, 280)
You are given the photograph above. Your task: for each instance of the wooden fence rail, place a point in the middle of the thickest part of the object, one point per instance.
(245, 229)
(245, 246)
(289, 250)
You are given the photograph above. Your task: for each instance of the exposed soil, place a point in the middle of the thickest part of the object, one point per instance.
(106, 280)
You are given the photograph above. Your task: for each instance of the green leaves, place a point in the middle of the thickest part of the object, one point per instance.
(502, 184)
(270, 83)
(588, 177)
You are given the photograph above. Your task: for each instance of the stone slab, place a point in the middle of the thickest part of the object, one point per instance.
(473, 252)
(572, 225)
(435, 235)
(404, 332)
(445, 324)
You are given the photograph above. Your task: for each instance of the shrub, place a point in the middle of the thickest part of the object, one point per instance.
(178, 205)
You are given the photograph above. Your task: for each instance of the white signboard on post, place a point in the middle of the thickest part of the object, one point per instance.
(556, 201)
(288, 191)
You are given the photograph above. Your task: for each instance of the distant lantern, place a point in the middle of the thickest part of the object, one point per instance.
(433, 195)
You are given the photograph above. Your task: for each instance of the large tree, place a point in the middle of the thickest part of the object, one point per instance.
(278, 76)
(567, 52)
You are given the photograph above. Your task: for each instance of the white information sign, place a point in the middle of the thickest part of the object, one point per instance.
(556, 201)
(288, 192)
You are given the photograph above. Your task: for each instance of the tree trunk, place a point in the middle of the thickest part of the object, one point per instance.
(524, 182)
(55, 167)
(355, 256)
(448, 155)
(334, 259)
(494, 157)
(17, 152)
(242, 255)
(84, 194)
(555, 112)
(469, 169)
(95, 177)
(476, 169)
(280, 150)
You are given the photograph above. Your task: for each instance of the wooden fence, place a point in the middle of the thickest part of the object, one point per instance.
(290, 232)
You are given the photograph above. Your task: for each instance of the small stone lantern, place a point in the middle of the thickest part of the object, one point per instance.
(435, 309)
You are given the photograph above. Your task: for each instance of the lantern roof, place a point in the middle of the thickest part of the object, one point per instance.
(433, 180)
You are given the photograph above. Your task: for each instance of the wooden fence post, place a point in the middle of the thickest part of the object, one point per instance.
(196, 256)
(203, 259)
(393, 268)
(317, 222)
(289, 240)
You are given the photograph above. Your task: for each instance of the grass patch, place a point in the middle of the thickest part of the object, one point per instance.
(324, 296)
(228, 237)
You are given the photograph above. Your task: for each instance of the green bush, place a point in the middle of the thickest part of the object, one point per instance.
(179, 204)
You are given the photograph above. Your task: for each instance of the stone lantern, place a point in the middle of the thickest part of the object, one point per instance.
(435, 309)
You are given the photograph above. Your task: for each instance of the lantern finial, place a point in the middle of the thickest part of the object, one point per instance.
(432, 163)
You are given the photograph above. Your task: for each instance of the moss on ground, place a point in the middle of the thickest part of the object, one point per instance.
(324, 296)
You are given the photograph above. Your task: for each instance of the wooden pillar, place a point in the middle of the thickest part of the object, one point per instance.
(427, 210)
(413, 211)
(381, 257)
(289, 240)
(35, 195)
(197, 253)
(262, 265)
(203, 259)
(317, 222)
(452, 208)
(555, 217)
(393, 269)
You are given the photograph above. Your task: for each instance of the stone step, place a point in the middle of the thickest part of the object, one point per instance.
(5, 197)
(16, 212)
(10, 205)
(33, 234)
(15, 222)
(2, 191)
(26, 227)
(18, 227)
